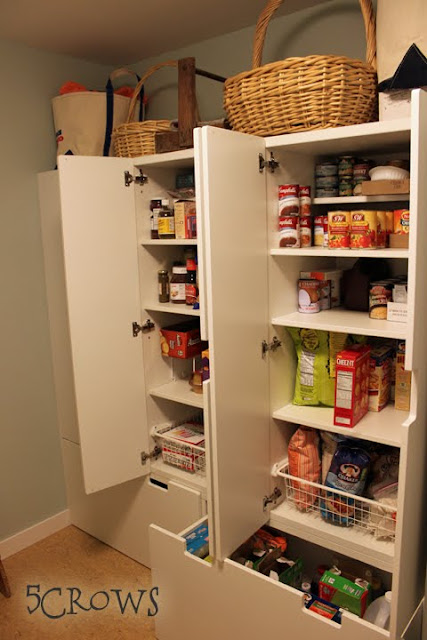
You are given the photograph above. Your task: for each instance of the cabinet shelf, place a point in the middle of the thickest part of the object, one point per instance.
(181, 159)
(401, 197)
(349, 541)
(178, 391)
(184, 242)
(342, 253)
(344, 321)
(385, 427)
(169, 472)
(170, 307)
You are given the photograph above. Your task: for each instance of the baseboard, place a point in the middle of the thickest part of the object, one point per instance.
(34, 534)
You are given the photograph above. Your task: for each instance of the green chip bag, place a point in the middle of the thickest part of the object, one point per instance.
(313, 384)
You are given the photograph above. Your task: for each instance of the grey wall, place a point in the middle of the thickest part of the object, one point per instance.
(31, 480)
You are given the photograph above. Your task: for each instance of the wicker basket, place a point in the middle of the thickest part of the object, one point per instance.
(297, 94)
(137, 138)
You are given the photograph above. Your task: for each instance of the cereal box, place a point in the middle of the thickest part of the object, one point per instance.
(402, 398)
(185, 213)
(380, 365)
(339, 229)
(351, 385)
(352, 596)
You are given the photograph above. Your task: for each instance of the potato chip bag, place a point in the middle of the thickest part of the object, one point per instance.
(313, 384)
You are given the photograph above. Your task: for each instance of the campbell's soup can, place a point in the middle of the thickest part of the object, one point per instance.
(306, 225)
(339, 229)
(305, 201)
(318, 231)
(289, 231)
(289, 200)
(308, 296)
(325, 231)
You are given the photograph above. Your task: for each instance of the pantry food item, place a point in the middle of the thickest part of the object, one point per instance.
(379, 295)
(402, 399)
(334, 276)
(326, 193)
(166, 222)
(185, 215)
(205, 364)
(384, 470)
(308, 296)
(155, 205)
(351, 385)
(382, 514)
(352, 596)
(345, 167)
(357, 281)
(305, 201)
(364, 230)
(163, 278)
(329, 446)
(289, 200)
(181, 340)
(198, 541)
(325, 231)
(318, 231)
(345, 188)
(282, 569)
(289, 231)
(328, 168)
(339, 229)
(313, 386)
(306, 225)
(322, 608)
(304, 463)
(401, 221)
(399, 240)
(380, 364)
(191, 289)
(177, 284)
(348, 472)
(327, 182)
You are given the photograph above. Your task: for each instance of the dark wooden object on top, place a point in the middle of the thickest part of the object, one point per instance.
(187, 108)
(4, 582)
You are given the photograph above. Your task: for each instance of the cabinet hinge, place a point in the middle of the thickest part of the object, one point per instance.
(147, 326)
(129, 178)
(270, 346)
(155, 453)
(271, 164)
(272, 498)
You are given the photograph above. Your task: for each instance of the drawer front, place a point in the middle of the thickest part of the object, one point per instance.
(231, 601)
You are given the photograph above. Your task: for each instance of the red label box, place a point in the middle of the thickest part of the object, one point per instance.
(351, 385)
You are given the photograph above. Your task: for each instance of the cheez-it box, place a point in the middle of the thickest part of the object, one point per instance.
(351, 385)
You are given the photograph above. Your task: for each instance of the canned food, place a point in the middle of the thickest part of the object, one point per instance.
(364, 230)
(381, 229)
(306, 224)
(401, 221)
(345, 166)
(325, 294)
(289, 231)
(339, 229)
(379, 294)
(327, 193)
(289, 200)
(361, 171)
(308, 296)
(325, 231)
(305, 201)
(326, 169)
(327, 182)
(345, 188)
(318, 231)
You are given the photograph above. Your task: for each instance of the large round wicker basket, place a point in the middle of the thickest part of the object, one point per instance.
(134, 139)
(297, 94)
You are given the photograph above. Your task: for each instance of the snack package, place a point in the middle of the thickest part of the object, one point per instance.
(338, 342)
(313, 385)
(264, 543)
(385, 471)
(382, 516)
(304, 463)
(330, 442)
(348, 473)
(380, 364)
(353, 596)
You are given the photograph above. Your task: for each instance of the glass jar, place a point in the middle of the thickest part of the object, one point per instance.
(155, 205)
(166, 226)
(191, 291)
(163, 285)
(177, 284)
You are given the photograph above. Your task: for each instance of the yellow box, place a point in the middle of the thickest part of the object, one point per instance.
(183, 209)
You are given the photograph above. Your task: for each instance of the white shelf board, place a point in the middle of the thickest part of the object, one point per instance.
(178, 391)
(340, 140)
(343, 321)
(184, 242)
(169, 472)
(362, 199)
(183, 158)
(342, 253)
(170, 307)
(349, 541)
(384, 426)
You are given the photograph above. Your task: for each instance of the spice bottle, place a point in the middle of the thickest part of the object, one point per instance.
(155, 205)
(177, 284)
(166, 222)
(163, 285)
(191, 291)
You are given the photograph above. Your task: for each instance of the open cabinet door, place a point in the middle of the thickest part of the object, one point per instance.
(234, 250)
(101, 274)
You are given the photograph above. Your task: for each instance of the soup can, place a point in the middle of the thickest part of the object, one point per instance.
(380, 293)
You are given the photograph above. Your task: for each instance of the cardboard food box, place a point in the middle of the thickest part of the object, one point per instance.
(352, 596)
(397, 312)
(351, 385)
(385, 187)
(181, 340)
(380, 364)
(399, 240)
(402, 400)
(322, 607)
(198, 541)
(334, 276)
(185, 219)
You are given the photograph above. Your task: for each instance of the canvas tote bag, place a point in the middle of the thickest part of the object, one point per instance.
(84, 120)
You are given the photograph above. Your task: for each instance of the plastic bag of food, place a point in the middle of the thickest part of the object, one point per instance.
(382, 516)
(313, 384)
(304, 463)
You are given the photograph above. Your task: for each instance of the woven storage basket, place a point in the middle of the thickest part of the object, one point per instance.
(137, 138)
(297, 94)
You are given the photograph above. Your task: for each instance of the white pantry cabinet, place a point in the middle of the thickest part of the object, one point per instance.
(113, 389)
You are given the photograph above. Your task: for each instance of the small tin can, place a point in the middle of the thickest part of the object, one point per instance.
(361, 171)
(289, 231)
(308, 296)
(346, 187)
(306, 226)
(327, 182)
(318, 231)
(305, 201)
(326, 169)
(289, 200)
(327, 193)
(380, 293)
(339, 229)
(345, 166)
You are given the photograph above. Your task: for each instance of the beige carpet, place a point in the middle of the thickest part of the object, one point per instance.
(71, 558)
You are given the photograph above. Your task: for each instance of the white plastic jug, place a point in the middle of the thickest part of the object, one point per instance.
(378, 611)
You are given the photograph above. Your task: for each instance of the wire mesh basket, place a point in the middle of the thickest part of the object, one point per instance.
(340, 508)
(179, 446)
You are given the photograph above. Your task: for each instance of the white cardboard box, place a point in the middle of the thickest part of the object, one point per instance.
(397, 312)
